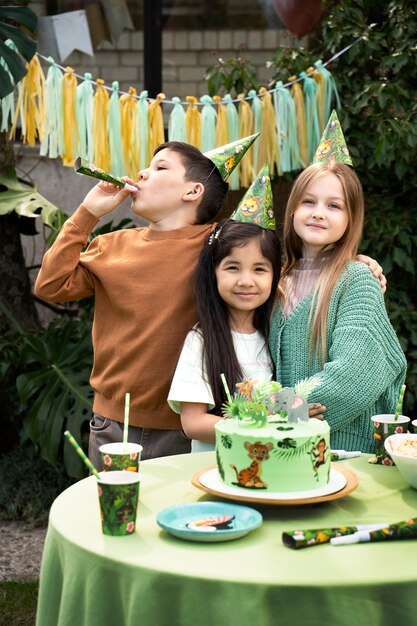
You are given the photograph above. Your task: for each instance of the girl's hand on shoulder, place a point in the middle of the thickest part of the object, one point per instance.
(316, 410)
(105, 197)
(375, 268)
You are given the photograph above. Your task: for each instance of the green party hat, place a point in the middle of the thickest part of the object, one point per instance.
(332, 146)
(256, 206)
(227, 157)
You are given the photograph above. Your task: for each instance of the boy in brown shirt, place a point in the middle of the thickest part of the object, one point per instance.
(141, 279)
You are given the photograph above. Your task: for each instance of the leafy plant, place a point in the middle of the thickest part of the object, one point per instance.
(12, 66)
(53, 388)
(34, 483)
(233, 76)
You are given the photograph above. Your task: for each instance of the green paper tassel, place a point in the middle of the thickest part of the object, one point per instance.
(208, 124)
(312, 115)
(53, 144)
(7, 103)
(286, 128)
(330, 91)
(143, 129)
(176, 124)
(233, 134)
(84, 109)
(257, 125)
(114, 132)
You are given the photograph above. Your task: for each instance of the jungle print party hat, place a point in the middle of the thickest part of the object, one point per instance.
(256, 206)
(332, 146)
(227, 157)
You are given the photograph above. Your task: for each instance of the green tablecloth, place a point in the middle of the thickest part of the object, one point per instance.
(153, 579)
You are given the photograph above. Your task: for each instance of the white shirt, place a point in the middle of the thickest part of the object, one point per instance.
(190, 382)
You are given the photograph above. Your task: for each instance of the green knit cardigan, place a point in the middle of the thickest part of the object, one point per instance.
(365, 365)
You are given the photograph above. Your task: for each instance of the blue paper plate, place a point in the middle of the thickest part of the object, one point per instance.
(202, 515)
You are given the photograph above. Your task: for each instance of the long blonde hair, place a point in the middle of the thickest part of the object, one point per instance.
(342, 251)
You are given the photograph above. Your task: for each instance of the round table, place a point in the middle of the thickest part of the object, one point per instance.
(151, 578)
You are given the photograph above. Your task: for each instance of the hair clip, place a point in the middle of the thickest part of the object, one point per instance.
(214, 235)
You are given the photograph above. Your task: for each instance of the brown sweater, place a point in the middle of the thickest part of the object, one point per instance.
(144, 307)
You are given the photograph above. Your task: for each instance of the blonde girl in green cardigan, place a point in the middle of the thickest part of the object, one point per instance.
(331, 317)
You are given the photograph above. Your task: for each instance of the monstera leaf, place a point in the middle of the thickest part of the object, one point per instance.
(22, 197)
(54, 390)
(11, 63)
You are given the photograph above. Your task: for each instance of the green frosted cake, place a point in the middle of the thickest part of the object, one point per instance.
(266, 440)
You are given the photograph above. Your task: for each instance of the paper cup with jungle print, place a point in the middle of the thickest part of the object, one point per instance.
(384, 426)
(413, 428)
(121, 456)
(118, 494)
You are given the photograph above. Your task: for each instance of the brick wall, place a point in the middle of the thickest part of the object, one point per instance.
(186, 56)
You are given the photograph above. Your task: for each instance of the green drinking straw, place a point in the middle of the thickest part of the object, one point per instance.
(400, 403)
(126, 421)
(82, 454)
(226, 388)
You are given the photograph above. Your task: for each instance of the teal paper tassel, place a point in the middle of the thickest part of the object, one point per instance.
(257, 125)
(114, 132)
(84, 109)
(53, 141)
(331, 93)
(286, 128)
(176, 123)
(233, 134)
(312, 115)
(7, 103)
(208, 124)
(143, 129)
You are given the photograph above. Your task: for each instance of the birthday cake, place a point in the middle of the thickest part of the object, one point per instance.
(267, 441)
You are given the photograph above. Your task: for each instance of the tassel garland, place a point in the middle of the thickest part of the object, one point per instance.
(120, 131)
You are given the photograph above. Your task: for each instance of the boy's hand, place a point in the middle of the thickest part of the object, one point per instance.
(105, 197)
(375, 268)
(315, 409)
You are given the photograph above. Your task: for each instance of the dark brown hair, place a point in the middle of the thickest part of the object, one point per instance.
(200, 169)
(219, 355)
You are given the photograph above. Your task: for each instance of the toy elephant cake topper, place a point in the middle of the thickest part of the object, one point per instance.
(256, 403)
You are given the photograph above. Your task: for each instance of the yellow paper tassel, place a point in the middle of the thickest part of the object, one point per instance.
(69, 126)
(298, 97)
(129, 127)
(268, 141)
(156, 125)
(222, 136)
(193, 122)
(100, 138)
(32, 103)
(321, 95)
(246, 124)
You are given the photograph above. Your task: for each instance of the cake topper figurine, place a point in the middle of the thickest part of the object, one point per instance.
(256, 403)
(332, 146)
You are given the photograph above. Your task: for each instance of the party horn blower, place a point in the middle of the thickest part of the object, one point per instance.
(82, 166)
(297, 539)
(400, 403)
(82, 454)
(126, 419)
(401, 530)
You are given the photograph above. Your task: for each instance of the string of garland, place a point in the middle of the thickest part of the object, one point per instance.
(118, 131)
